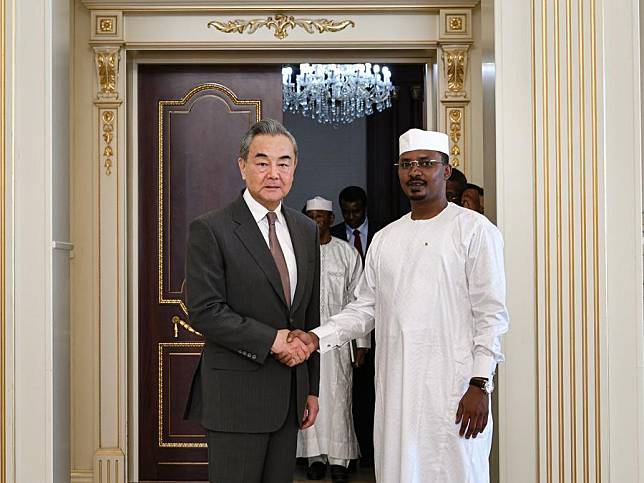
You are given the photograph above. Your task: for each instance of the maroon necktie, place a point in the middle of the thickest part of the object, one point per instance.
(278, 255)
(357, 242)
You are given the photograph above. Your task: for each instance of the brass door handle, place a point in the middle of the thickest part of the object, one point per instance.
(177, 321)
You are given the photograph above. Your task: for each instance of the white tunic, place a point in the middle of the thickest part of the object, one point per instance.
(436, 290)
(333, 434)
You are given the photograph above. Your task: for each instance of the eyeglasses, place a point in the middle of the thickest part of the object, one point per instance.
(422, 163)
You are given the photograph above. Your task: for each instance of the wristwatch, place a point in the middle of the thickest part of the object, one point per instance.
(483, 383)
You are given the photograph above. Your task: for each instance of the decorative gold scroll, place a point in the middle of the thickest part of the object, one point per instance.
(280, 24)
(455, 126)
(455, 64)
(107, 65)
(107, 134)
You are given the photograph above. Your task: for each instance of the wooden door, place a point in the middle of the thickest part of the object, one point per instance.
(190, 121)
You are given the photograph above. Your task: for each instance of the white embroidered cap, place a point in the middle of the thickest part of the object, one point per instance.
(319, 203)
(418, 139)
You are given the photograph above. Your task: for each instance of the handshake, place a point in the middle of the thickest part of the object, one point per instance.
(294, 347)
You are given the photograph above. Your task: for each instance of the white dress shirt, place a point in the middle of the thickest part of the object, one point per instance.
(283, 236)
(364, 231)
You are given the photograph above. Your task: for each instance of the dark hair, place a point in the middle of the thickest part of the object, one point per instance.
(458, 177)
(270, 127)
(471, 186)
(353, 193)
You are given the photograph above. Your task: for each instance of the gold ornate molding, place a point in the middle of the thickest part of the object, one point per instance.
(198, 346)
(455, 68)
(107, 70)
(108, 118)
(280, 23)
(455, 116)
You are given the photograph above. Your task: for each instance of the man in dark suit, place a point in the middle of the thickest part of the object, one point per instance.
(358, 230)
(252, 275)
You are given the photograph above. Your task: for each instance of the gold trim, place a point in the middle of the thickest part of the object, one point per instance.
(342, 8)
(584, 247)
(181, 102)
(596, 304)
(558, 248)
(161, 442)
(546, 257)
(3, 194)
(572, 313)
(280, 24)
(183, 462)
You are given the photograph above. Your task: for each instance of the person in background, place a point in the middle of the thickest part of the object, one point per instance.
(455, 186)
(332, 438)
(472, 198)
(358, 230)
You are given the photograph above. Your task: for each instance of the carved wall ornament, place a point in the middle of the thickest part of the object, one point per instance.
(107, 67)
(455, 23)
(280, 23)
(106, 25)
(107, 129)
(455, 117)
(455, 65)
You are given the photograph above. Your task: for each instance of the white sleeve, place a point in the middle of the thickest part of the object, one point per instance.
(357, 319)
(361, 342)
(486, 282)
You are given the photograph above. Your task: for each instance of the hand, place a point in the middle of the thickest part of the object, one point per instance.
(291, 352)
(360, 354)
(473, 411)
(308, 338)
(310, 412)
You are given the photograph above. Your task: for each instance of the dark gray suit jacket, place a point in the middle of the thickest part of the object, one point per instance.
(235, 299)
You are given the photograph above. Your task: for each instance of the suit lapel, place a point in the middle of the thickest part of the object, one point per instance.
(299, 247)
(251, 237)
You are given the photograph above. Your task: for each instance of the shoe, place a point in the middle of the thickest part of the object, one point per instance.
(339, 474)
(316, 471)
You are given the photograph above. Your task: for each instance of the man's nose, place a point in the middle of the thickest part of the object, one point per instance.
(272, 172)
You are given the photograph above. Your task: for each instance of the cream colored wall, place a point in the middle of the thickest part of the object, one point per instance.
(36, 324)
(571, 390)
(84, 271)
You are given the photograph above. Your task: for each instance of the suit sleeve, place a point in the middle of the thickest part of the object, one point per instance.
(313, 320)
(206, 299)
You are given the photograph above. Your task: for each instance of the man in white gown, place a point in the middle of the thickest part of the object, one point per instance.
(434, 287)
(332, 438)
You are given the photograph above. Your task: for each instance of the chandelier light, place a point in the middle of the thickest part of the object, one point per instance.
(336, 93)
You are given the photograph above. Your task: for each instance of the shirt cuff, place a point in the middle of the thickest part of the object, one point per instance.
(327, 336)
(483, 366)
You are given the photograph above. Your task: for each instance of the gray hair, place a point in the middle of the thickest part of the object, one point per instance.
(269, 127)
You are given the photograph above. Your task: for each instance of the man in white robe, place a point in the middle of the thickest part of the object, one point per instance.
(434, 288)
(332, 438)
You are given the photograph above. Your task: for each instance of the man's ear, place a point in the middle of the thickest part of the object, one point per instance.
(242, 167)
(448, 171)
(332, 218)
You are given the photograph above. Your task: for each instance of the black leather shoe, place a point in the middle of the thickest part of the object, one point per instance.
(316, 471)
(339, 474)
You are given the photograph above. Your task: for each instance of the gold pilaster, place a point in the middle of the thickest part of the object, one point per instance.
(107, 71)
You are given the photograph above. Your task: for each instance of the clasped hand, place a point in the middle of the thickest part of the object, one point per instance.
(294, 347)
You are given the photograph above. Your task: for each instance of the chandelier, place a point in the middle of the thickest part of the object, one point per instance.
(336, 93)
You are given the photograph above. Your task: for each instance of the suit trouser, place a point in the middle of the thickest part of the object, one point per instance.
(255, 457)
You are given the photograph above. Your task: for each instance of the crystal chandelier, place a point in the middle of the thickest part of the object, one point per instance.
(336, 93)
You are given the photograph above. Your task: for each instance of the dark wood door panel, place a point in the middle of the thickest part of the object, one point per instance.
(190, 120)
